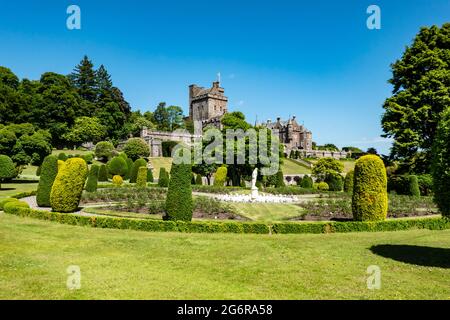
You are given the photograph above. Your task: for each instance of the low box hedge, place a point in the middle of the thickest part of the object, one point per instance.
(431, 223)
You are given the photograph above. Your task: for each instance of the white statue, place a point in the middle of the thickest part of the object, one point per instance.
(254, 187)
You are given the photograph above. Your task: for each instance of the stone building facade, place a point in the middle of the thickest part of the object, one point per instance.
(292, 135)
(207, 105)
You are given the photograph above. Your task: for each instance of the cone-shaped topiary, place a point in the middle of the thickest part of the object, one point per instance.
(117, 166)
(220, 177)
(141, 181)
(198, 179)
(7, 168)
(92, 180)
(103, 173)
(149, 175)
(163, 180)
(130, 169)
(307, 182)
(49, 171)
(441, 164)
(134, 171)
(413, 183)
(280, 179)
(348, 183)
(68, 186)
(370, 199)
(179, 196)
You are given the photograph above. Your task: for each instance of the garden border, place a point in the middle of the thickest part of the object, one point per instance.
(433, 223)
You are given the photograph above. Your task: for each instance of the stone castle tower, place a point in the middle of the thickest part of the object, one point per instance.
(207, 105)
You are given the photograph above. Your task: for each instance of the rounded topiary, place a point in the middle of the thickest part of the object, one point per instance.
(117, 166)
(60, 164)
(103, 173)
(413, 183)
(141, 180)
(370, 198)
(307, 182)
(104, 150)
(117, 180)
(88, 157)
(149, 175)
(12, 204)
(134, 170)
(220, 177)
(3, 202)
(68, 186)
(49, 170)
(179, 196)
(136, 148)
(198, 180)
(322, 186)
(130, 168)
(92, 180)
(7, 168)
(348, 183)
(441, 164)
(62, 156)
(163, 180)
(334, 181)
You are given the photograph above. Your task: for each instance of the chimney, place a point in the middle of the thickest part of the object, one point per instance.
(216, 84)
(278, 119)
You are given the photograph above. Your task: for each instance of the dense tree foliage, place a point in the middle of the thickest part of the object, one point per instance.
(421, 80)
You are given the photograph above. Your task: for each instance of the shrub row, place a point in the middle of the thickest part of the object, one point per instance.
(433, 223)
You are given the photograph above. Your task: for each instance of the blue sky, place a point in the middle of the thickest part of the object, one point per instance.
(313, 59)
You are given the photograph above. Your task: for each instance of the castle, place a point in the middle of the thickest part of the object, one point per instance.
(208, 105)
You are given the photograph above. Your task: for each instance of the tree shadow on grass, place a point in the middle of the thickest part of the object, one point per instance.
(418, 255)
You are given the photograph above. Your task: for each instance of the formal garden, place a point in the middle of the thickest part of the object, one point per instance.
(78, 187)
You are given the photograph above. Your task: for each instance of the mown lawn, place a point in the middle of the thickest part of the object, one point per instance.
(160, 162)
(268, 212)
(11, 189)
(292, 167)
(122, 264)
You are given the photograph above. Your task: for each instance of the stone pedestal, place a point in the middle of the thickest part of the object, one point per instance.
(255, 193)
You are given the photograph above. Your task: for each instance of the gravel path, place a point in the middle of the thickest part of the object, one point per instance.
(33, 205)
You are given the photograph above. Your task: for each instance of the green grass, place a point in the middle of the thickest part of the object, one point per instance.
(11, 189)
(292, 167)
(349, 164)
(267, 212)
(124, 264)
(159, 162)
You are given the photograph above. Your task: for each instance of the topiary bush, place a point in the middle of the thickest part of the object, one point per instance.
(62, 156)
(220, 177)
(15, 204)
(130, 168)
(141, 180)
(88, 157)
(370, 199)
(60, 164)
(425, 184)
(348, 183)
(322, 186)
(103, 173)
(117, 166)
(7, 169)
(413, 183)
(441, 164)
(68, 186)
(307, 182)
(163, 180)
(149, 175)
(134, 170)
(179, 204)
(198, 180)
(104, 150)
(38, 171)
(136, 148)
(334, 181)
(49, 171)
(92, 180)
(117, 180)
(279, 179)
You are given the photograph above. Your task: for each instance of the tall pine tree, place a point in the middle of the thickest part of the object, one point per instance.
(84, 79)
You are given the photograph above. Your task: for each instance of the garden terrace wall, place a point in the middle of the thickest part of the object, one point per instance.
(432, 223)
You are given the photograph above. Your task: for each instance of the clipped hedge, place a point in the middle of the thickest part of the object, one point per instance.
(130, 168)
(92, 180)
(135, 168)
(117, 166)
(149, 175)
(68, 186)
(5, 201)
(414, 189)
(348, 182)
(220, 177)
(430, 223)
(370, 198)
(141, 181)
(307, 182)
(49, 170)
(163, 180)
